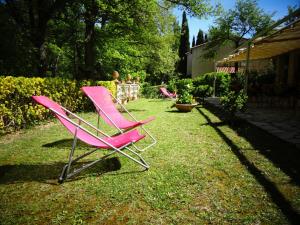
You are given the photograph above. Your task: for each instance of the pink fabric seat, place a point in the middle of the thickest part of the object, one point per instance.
(116, 141)
(166, 93)
(105, 106)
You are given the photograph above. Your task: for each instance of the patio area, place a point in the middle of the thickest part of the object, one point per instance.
(202, 171)
(280, 122)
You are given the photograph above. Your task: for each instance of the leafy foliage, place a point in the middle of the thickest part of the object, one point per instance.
(17, 109)
(203, 91)
(184, 85)
(185, 98)
(221, 79)
(91, 38)
(172, 85)
(234, 101)
(184, 89)
(149, 91)
(246, 19)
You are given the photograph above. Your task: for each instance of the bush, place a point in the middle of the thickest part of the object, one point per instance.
(141, 75)
(203, 91)
(184, 85)
(149, 91)
(222, 81)
(17, 109)
(172, 86)
(233, 101)
(185, 98)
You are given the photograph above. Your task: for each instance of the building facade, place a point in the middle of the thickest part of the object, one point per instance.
(198, 64)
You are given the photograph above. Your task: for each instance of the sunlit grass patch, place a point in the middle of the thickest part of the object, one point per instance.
(202, 171)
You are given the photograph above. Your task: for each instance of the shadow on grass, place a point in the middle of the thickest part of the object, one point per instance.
(65, 143)
(175, 111)
(282, 154)
(262, 141)
(131, 110)
(160, 100)
(49, 173)
(136, 110)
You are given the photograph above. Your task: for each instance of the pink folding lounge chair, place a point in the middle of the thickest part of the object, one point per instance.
(166, 93)
(75, 126)
(103, 101)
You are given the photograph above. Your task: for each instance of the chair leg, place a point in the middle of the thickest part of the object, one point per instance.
(66, 168)
(65, 174)
(154, 141)
(142, 162)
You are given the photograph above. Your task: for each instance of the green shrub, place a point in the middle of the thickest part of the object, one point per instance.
(185, 98)
(184, 85)
(203, 91)
(141, 75)
(149, 91)
(17, 110)
(172, 86)
(222, 81)
(233, 101)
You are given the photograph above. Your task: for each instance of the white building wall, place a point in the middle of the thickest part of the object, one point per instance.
(201, 65)
(189, 64)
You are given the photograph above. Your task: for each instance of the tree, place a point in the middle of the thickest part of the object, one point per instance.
(184, 46)
(205, 38)
(90, 38)
(200, 37)
(32, 18)
(193, 42)
(291, 10)
(245, 20)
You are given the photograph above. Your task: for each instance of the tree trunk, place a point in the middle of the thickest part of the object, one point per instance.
(89, 49)
(42, 67)
(236, 64)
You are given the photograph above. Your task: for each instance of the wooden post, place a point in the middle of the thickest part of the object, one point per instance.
(292, 69)
(247, 67)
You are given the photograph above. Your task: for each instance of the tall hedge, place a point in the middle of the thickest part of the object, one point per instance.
(222, 81)
(17, 110)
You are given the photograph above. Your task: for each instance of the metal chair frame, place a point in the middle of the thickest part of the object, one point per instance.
(66, 174)
(154, 141)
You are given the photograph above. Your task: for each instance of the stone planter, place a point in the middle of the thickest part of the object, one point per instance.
(185, 107)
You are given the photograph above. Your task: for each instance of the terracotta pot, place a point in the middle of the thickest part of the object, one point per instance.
(185, 107)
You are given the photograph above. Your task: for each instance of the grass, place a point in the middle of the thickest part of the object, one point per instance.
(202, 172)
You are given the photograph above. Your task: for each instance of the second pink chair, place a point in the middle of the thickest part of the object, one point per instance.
(107, 110)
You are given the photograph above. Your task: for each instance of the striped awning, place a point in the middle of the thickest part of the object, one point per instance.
(226, 69)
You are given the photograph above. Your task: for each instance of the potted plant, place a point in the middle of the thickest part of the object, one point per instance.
(185, 102)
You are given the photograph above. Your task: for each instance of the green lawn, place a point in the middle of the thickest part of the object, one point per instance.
(202, 172)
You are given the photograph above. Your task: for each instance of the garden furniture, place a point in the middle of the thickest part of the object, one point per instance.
(107, 110)
(165, 93)
(78, 128)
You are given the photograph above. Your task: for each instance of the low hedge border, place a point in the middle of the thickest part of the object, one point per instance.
(17, 110)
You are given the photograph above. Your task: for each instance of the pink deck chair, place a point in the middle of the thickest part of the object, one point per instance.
(166, 93)
(116, 144)
(103, 101)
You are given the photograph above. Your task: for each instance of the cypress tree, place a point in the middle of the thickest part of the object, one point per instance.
(193, 42)
(205, 38)
(200, 37)
(184, 46)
